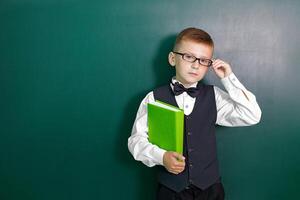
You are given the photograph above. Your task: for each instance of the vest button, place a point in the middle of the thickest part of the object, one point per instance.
(190, 150)
(191, 165)
(189, 133)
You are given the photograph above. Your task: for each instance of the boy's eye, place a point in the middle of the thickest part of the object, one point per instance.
(203, 61)
(189, 57)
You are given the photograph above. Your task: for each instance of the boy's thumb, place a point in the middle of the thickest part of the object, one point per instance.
(179, 156)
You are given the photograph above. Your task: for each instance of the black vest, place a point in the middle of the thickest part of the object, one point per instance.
(199, 148)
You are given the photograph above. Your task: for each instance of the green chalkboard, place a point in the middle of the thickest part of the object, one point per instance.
(73, 72)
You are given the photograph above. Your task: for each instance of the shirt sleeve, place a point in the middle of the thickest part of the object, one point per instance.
(238, 107)
(138, 143)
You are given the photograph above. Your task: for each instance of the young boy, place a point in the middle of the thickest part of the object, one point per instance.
(195, 174)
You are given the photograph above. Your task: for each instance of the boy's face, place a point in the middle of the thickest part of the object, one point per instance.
(186, 72)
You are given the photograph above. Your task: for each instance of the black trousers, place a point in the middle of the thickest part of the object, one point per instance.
(214, 192)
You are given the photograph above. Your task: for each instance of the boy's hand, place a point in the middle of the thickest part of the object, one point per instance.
(174, 162)
(221, 68)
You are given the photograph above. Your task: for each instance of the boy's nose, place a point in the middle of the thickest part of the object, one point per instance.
(195, 65)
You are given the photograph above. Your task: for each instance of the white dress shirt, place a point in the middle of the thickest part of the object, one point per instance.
(238, 107)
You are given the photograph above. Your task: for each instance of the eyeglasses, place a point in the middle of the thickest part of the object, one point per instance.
(192, 59)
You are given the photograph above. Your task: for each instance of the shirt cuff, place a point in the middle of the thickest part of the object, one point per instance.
(231, 82)
(158, 154)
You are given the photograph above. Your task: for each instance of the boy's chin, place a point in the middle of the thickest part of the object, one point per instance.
(191, 81)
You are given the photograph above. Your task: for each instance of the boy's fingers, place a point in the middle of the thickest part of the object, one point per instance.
(178, 169)
(178, 156)
(174, 171)
(218, 64)
(215, 61)
(179, 164)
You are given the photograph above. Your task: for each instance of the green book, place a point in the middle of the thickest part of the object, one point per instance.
(165, 126)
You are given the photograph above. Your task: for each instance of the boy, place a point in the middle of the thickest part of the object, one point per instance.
(194, 175)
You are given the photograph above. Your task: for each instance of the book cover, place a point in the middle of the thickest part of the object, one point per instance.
(165, 126)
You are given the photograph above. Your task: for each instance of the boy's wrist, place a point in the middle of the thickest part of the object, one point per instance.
(228, 73)
(159, 154)
(229, 81)
(228, 76)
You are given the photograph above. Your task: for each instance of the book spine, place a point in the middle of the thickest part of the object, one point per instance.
(179, 131)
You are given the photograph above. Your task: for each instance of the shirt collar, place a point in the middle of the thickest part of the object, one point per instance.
(174, 81)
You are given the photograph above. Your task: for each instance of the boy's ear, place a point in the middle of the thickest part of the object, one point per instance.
(171, 58)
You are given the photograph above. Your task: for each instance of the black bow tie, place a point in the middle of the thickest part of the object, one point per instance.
(179, 89)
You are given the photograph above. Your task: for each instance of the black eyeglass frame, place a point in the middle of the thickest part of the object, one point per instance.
(195, 58)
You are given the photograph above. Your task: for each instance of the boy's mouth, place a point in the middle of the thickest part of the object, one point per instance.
(193, 74)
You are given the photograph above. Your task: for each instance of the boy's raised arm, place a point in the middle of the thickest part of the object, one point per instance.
(238, 107)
